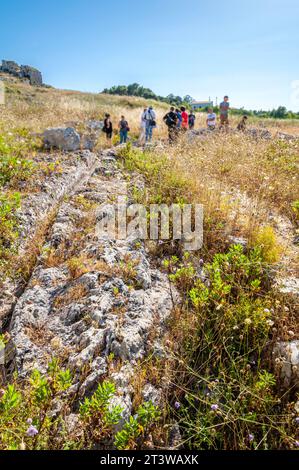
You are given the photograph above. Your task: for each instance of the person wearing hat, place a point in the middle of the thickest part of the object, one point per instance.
(149, 116)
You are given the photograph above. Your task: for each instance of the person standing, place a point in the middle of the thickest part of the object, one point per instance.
(150, 123)
(123, 130)
(185, 118)
(142, 127)
(211, 120)
(191, 120)
(108, 127)
(170, 120)
(180, 119)
(224, 108)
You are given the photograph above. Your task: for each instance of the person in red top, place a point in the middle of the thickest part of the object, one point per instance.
(185, 118)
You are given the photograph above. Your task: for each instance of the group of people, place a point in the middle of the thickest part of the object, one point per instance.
(177, 120)
(123, 127)
(148, 123)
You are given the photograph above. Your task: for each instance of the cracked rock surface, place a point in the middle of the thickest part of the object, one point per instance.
(90, 299)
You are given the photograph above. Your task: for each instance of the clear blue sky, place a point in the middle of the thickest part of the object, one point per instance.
(247, 49)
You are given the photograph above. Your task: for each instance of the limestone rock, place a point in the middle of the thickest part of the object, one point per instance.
(33, 75)
(11, 67)
(62, 138)
(286, 360)
(259, 133)
(153, 394)
(288, 285)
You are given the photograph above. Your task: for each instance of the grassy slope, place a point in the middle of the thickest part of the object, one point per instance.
(208, 352)
(38, 108)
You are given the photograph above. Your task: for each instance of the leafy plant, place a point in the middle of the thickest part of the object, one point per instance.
(14, 164)
(221, 339)
(134, 431)
(9, 204)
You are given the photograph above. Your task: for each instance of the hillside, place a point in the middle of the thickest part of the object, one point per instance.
(144, 344)
(37, 108)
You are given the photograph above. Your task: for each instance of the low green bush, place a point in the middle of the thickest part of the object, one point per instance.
(34, 415)
(225, 393)
(9, 204)
(15, 166)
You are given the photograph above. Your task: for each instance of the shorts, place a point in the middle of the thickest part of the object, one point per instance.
(224, 120)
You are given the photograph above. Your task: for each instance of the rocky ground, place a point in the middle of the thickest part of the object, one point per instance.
(89, 301)
(96, 302)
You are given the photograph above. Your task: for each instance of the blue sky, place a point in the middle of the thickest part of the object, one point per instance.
(247, 49)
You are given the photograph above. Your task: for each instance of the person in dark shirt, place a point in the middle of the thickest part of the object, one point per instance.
(191, 120)
(242, 124)
(171, 121)
(108, 127)
(123, 130)
(224, 108)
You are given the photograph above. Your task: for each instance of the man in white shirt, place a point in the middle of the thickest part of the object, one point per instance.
(150, 122)
(211, 120)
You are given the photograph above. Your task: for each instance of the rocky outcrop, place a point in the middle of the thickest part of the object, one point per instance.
(116, 305)
(257, 133)
(33, 75)
(23, 72)
(62, 138)
(75, 170)
(68, 139)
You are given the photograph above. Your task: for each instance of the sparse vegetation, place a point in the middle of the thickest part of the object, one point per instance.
(28, 421)
(224, 393)
(9, 203)
(221, 386)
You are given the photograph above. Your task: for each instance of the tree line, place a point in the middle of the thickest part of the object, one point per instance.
(138, 90)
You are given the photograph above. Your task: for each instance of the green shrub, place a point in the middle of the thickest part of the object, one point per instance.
(28, 419)
(134, 431)
(224, 398)
(14, 163)
(9, 204)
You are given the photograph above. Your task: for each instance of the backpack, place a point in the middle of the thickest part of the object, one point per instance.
(124, 125)
(151, 120)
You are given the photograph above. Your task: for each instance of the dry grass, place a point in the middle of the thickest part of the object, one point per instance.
(74, 293)
(26, 261)
(82, 264)
(289, 126)
(264, 170)
(39, 108)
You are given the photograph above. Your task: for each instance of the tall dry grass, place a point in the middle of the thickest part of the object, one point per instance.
(266, 171)
(39, 108)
